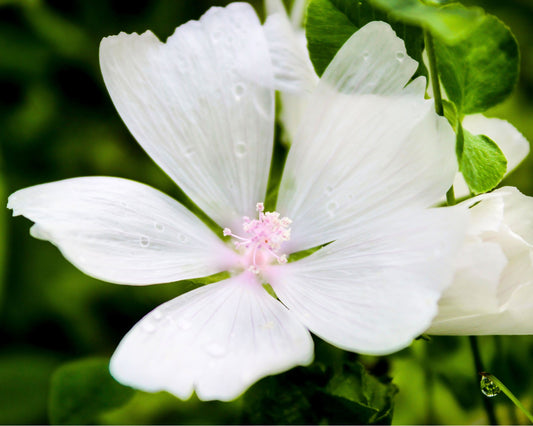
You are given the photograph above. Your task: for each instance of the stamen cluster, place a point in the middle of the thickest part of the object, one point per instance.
(268, 232)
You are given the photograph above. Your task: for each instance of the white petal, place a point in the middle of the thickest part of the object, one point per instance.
(121, 231)
(492, 291)
(201, 105)
(513, 144)
(356, 157)
(373, 60)
(375, 292)
(293, 70)
(217, 340)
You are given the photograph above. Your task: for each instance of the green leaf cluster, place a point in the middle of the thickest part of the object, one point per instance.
(319, 395)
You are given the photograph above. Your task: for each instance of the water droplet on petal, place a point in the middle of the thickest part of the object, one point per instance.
(182, 238)
(189, 151)
(184, 324)
(329, 189)
(216, 350)
(144, 241)
(488, 387)
(216, 36)
(240, 149)
(366, 55)
(238, 90)
(332, 207)
(148, 326)
(400, 56)
(157, 315)
(160, 227)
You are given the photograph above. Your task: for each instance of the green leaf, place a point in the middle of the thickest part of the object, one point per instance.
(329, 23)
(482, 163)
(81, 390)
(355, 396)
(283, 399)
(482, 70)
(452, 22)
(314, 395)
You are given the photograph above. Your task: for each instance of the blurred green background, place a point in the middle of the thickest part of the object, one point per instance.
(57, 122)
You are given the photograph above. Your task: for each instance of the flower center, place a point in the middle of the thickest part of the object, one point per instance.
(265, 237)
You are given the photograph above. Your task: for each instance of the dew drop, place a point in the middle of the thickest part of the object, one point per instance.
(400, 56)
(144, 241)
(216, 350)
(240, 149)
(366, 55)
(332, 207)
(238, 90)
(189, 151)
(216, 36)
(160, 227)
(184, 324)
(157, 315)
(328, 190)
(488, 387)
(148, 326)
(182, 238)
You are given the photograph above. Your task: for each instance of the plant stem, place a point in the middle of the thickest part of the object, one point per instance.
(433, 73)
(435, 84)
(489, 408)
(509, 395)
(450, 196)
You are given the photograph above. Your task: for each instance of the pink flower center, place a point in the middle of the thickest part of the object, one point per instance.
(265, 236)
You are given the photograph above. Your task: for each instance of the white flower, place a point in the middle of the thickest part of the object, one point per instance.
(368, 160)
(492, 292)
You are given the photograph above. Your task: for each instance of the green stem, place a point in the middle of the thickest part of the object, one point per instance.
(509, 394)
(434, 76)
(489, 408)
(450, 196)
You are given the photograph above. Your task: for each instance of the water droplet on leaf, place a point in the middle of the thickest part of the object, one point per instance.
(488, 387)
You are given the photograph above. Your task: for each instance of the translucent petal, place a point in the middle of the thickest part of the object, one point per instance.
(201, 105)
(357, 157)
(373, 60)
(216, 340)
(293, 71)
(375, 292)
(122, 231)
